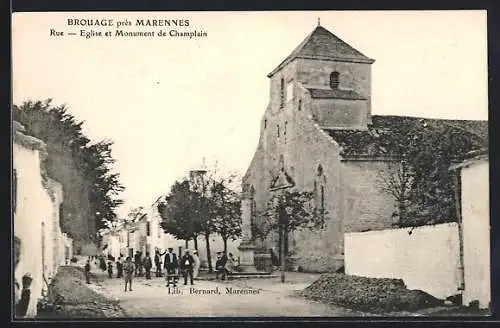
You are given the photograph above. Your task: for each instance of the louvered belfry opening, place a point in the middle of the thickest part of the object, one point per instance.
(334, 80)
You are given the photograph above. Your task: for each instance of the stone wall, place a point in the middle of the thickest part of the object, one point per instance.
(353, 76)
(367, 206)
(340, 113)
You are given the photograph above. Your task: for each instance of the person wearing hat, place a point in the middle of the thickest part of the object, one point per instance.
(219, 266)
(22, 296)
(170, 265)
(197, 263)
(128, 267)
(187, 266)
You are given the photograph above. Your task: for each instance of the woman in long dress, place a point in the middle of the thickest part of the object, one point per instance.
(230, 264)
(197, 263)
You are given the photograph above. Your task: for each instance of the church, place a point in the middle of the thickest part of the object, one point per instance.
(318, 134)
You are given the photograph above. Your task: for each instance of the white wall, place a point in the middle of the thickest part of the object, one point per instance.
(428, 259)
(476, 233)
(31, 211)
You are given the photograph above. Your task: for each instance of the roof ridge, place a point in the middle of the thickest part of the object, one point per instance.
(322, 43)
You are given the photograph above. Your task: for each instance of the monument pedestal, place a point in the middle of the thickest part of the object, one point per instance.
(246, 250)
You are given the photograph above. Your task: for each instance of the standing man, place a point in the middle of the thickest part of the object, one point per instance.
(147, 266)
(157, 263)
(219, 267)
(171, 265)
(119, 267)
(87, 271)
(197, 263)
(128, 267)
(137, 262)
(187, 265)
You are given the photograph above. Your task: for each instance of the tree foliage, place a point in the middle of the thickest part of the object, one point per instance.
(292, 210)
(420, 180)
(202, 206)
(83, 168)
(180, 211)
(224, 210)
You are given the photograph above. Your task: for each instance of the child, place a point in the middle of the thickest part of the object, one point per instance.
(128, 267)
(110, 269)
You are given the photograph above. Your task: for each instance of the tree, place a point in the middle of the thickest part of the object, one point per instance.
(291, 210)
(204, 204)
(225, 214)
(419, 178)
(398, 182)
(83, 167)
(180, 212)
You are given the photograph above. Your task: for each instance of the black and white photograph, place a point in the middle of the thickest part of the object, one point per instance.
(206, 164)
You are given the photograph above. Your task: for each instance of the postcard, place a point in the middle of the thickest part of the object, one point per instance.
(250, 164)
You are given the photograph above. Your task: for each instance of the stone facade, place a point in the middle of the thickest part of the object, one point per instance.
(318, 126)
(292, 135)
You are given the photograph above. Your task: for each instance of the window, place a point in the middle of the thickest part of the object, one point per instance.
(278, 127)
(265, 124)
(148, 228)
(61, 213)
(334, 80)
(282, 93)
(284, 132)
(289, 91)
(319, 192)
(322, 203)
(300, 105)
(14, 190)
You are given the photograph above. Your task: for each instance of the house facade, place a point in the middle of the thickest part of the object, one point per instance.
(319, 131)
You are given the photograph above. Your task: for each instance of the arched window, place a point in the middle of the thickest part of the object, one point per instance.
(320, 170)
(334, 80)
(282, 93)
(319, 192)
(322, 202)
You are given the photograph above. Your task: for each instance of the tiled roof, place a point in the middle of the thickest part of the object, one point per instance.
(335, 94)
(323, 44)
(387, 135)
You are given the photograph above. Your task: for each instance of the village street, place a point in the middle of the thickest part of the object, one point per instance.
(150, 298)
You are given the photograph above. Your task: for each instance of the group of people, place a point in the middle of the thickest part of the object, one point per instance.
(224, 265)
(166, 264)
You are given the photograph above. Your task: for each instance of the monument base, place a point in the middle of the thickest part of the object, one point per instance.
(247, 264)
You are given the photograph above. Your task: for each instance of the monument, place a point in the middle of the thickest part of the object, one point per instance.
(246, 247)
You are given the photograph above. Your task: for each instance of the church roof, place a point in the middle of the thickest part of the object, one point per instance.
(389, 135)
(322, 44)
(335, 94)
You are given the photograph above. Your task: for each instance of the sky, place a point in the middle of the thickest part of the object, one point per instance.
(169, 102)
